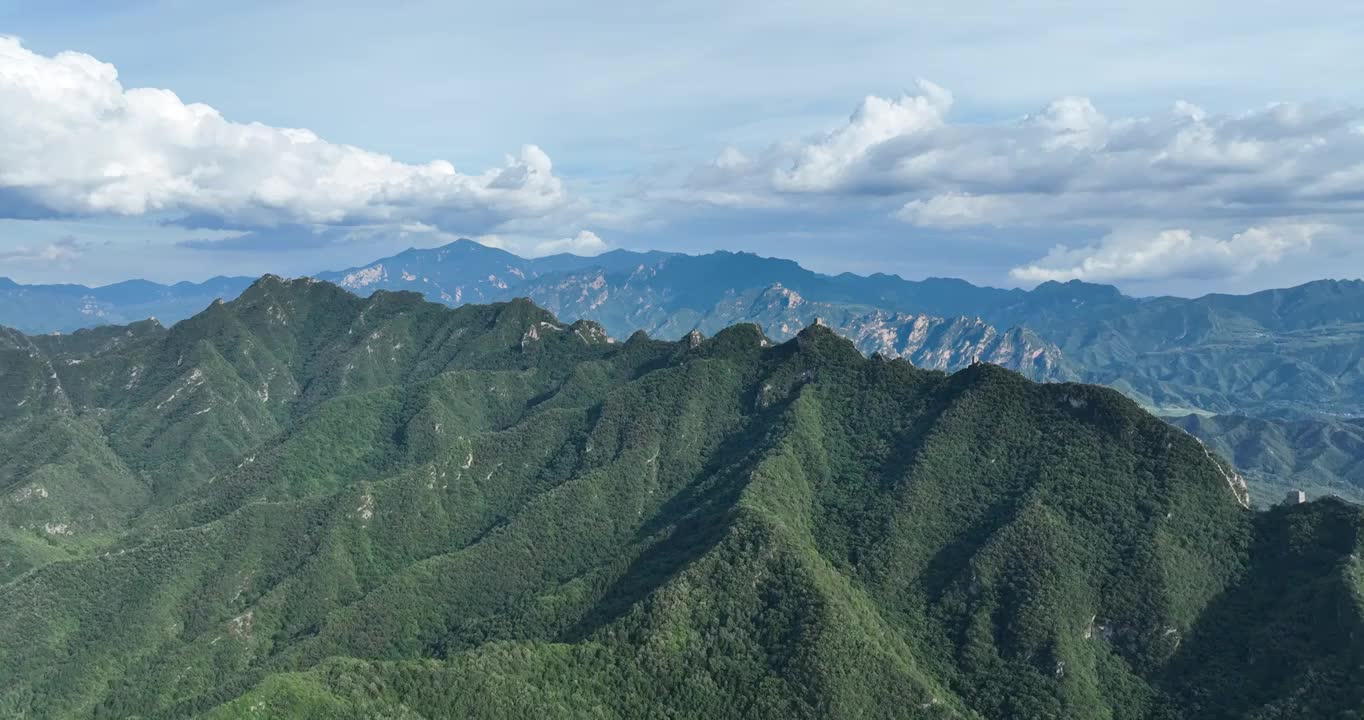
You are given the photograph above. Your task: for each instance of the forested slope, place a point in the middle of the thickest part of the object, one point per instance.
(318, 505)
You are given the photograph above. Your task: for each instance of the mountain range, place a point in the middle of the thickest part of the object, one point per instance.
(1280, 357)
(64, 308)
(308, 503)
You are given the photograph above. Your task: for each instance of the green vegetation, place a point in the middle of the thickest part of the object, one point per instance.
(303, 503)
(1320, 456)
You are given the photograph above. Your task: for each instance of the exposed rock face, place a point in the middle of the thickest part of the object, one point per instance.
(628, 303)
(532, 334)
(929, 342)
(364, 277)
(951, 344)
(590, 332)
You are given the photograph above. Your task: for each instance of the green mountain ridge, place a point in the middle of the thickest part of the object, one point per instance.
(335, 506)
(1293, 353)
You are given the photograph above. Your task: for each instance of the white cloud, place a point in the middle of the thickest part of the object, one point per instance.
(1071, 122)
(492, 241)
(731, 159)
(957, 209)
(1170, 253)
(585, 242)
(1069, 163)
(832, 161)
(73, 140)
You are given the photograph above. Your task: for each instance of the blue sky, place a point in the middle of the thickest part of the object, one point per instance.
(1164, 149)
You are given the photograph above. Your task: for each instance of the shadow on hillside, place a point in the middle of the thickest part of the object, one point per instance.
(686, 527)
(1279, 632)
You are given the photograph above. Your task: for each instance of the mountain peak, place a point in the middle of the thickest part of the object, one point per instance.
(1078, 289)
(270, 282)
(467, 245)
(590, 332)
(820, 339)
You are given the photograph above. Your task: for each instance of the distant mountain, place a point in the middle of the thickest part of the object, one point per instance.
(1321, 456)
(1297, 352)
(63, 308)
(926, 341)
(304, 503)
(468, 272)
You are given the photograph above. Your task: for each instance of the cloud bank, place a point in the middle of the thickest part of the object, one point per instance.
(1067, 162)
(1170, 253)
(1239, 191)
(74, 141)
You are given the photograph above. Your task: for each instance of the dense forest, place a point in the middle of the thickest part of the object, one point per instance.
(303, 503)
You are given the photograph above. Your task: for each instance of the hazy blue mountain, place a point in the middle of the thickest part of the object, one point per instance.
(64, 308)
(1295, 352)
(465, 271)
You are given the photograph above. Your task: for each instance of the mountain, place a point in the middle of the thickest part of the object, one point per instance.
(64, 308)
(1320, 456)
(1287, 355)
(322, 505)
(926, 341)
(661, 293)
(1290, 353)
(468, 272)
(669, 295)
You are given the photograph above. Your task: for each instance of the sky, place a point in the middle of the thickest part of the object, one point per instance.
(1174, 147)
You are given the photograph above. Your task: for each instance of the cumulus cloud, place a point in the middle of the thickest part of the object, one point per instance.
(1170, 253)
(1066, 163)
(958, 209)
(1071, 122)
(585, 242)
(74, 141)
(835, 159)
